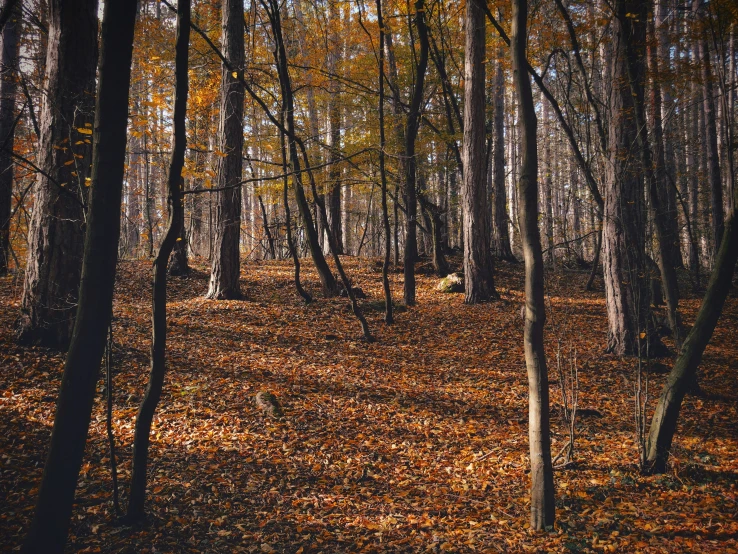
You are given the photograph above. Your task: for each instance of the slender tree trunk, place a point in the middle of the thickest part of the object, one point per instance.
(710, 130)
(542, 506)
(47, 533)
(388, 308)
(55, 236)
(137, 496)
(226, 268)
(681, 378)
(8, 86)
(288, 220)
(327, 280)
(179, 266)
(411, 162)
(478, 261)
(501, 233)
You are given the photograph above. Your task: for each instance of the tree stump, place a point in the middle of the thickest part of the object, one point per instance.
(269, 404)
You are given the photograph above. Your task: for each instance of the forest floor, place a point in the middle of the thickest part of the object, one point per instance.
(417, 442)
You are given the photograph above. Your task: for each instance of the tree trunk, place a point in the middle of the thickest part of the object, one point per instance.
(226, 268)
(626, 281)
(500, 230)
(178, 265)
(681, 378)
(8, 81)
(388, 308)
(55, 237)
(47, 533)
(710, 130)
(327, 280)
(478, 261)
(411, 163)
(137, 496)
(542, 507)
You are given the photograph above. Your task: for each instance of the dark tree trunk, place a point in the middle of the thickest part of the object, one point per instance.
(137, 496)
(265, 223)
(226, 268)
(178, 265)
(626, 281)
(47, 533)
(542, 506)
(8, 82)
(500, 230)
(681, 378)
(478, 261)
(655, 179)
(327, 280)
(388, 308)
(411, 163)
(55, 237)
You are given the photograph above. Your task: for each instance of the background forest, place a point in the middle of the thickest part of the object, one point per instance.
(312, 244)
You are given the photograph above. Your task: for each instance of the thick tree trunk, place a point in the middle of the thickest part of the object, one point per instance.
(681, 378)
(626, 280)
(47, 533)
(137, 496)
(56, 232)
(8, 82)
(411, 163)
(542, 506)
(226, 267)
(478, 261)
(500, 229)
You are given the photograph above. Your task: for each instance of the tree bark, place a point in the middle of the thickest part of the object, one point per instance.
(388, 308)
(626, 281)
(411, 163)
(55, 238)
(137, 496)
(226, 267)
(542, 485)
(710, 130)
(47, 533)
(8, 86)
(500, 229)
(478, 261)
(681, 378)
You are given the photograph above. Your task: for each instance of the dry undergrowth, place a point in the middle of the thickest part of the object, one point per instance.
(417, 442)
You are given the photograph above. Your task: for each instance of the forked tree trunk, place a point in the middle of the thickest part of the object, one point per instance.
(8, 86)
(47, 533)
(137, 496)
(55, 237)
(542, 506)
(478, 261)
(681, 378)
(226, 268)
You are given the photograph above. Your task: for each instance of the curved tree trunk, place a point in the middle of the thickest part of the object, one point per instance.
(478, 261)
(542, 506)
(47, 533)
(137, 496)
(55, 238)
(681, 378)
(226, 268)
(8, 86)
